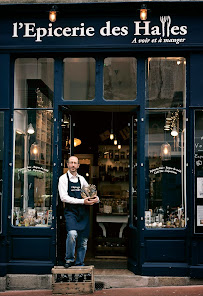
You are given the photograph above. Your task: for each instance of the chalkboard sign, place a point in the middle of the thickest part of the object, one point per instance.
(198, 172)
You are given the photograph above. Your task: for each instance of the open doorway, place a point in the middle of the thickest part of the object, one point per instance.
(102, 145)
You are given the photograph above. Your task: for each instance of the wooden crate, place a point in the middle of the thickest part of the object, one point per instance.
(87, 286)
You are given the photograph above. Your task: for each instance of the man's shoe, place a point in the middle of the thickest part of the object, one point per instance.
(80, 277)
(68, 264)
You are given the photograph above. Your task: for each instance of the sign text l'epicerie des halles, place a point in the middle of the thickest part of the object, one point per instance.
(144, 31)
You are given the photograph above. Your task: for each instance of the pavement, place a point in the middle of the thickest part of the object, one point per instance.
(148, 291)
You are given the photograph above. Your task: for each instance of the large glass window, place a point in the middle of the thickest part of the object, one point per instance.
(79, 79)
(165, 169)
(120, 78)
(165, 205)
(166, 82)
(32, 196)
(33, 143)
(1, 163)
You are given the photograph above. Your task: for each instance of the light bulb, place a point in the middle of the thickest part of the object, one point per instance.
(165, 151)
(115, 142)
(174, 132)
(30, 129)
(143, 13)
(119, 146)
(52, 14)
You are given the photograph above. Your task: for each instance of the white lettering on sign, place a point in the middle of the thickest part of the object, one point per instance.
(165, 28)
(30, 31)
(165, 169)
(165, 32)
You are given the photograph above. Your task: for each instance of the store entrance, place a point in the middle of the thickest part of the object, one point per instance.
(102, 145)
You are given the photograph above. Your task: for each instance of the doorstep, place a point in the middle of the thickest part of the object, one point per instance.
(104, 279)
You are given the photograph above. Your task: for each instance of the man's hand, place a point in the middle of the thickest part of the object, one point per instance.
(90, 201)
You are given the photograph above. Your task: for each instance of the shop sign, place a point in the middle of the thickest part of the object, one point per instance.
(144, 32)
(98, 32)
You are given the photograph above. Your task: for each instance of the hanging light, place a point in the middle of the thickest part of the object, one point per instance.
(53, 13)
(119, 145)
(166, 151)
(77, 142)
(115, 141)
(143, 12)
(34, 151)
(111, 135)
(30, 129)
(174, 132)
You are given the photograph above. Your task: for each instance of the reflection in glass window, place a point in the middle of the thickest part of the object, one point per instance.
(34, 83)
(166, 169)
(1, 163)
(120, 78)
(33, 162)
(79, 79)
(166, 82)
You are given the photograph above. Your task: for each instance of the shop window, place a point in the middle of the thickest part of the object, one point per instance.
(166, 82)
(120, 78)
(165, 170)
(33, 168)
(79, 79)
(34, 83)
(1, 163)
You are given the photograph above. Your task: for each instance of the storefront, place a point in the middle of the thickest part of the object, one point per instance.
(124, 96)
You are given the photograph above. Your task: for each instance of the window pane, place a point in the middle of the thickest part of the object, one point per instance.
(79, 79)
(165, 170)
(120, 79)
(32, 196)
(166, 82)
(1, 163)
(34, 83)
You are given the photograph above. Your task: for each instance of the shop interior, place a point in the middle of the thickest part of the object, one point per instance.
(101, 142)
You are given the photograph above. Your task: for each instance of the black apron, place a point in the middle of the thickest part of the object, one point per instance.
(76, 215)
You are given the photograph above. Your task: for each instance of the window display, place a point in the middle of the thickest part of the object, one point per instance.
(32, 200)
(166, 201)
(33, 143)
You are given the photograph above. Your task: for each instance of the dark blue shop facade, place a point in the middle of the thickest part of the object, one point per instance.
(122, 94)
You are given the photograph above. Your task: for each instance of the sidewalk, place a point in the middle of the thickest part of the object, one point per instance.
(149, 291)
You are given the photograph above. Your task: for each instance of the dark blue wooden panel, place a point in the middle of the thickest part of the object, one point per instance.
(4, 80)
(196, 79)
(165, 269)
(165, 251)
(34, 248)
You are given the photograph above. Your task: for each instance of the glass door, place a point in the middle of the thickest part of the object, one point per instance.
(64, 152)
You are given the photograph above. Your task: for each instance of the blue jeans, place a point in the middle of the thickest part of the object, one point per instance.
(81, 249)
